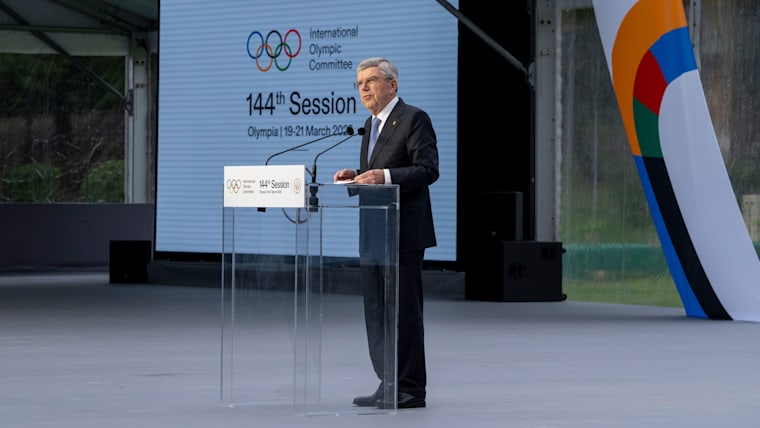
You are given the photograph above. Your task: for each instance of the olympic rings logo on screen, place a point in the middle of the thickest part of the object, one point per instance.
(274, 49)
(234, 185)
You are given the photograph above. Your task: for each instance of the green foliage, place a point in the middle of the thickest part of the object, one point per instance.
(105, 183)
(745, 176)
(654, 291)
(610, 212)
(54, 113)
(635, 274)
(32, 84)
(32, 183)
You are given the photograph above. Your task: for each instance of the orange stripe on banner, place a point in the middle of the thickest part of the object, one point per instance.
(645, 23)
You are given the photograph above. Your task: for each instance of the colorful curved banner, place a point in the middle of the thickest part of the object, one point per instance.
(655, 77)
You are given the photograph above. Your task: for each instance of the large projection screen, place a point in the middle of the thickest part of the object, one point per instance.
(221, 102)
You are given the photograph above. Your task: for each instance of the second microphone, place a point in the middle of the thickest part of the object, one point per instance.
(350, 133)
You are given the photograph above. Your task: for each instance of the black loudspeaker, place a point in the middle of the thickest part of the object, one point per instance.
(499, 216)
(514, 271)
(128, 261)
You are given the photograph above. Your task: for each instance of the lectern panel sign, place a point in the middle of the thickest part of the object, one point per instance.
(264, 186)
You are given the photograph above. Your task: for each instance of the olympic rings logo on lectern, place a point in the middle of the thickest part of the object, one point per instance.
(270, 50)
(234, 185)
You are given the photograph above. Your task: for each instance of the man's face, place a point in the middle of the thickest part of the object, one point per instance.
(375, 90)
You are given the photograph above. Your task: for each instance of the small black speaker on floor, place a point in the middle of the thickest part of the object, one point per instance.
(514, 271)
(128, 261)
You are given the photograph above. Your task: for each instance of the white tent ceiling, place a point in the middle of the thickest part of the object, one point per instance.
(79, 27)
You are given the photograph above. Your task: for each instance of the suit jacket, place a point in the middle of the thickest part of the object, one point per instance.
(407, 146)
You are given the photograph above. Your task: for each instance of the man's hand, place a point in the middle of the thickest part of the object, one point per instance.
(373, 176)
(344, 175)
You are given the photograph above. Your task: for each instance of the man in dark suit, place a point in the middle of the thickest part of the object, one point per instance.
(405, 153)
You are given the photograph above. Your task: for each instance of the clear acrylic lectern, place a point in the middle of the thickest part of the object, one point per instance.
(293, 333)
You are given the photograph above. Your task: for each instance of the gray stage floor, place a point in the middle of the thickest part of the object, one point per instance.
(76, 351)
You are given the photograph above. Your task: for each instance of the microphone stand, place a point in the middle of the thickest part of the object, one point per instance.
(313, 189)
(301, 145)
(349, 131)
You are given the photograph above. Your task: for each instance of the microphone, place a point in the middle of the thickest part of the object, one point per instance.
(350, 132)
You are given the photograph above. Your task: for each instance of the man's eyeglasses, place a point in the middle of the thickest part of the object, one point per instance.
(370, 81)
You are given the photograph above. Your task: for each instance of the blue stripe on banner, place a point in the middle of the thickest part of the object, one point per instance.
(690, 302)
(683, 245)
(674, 54)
